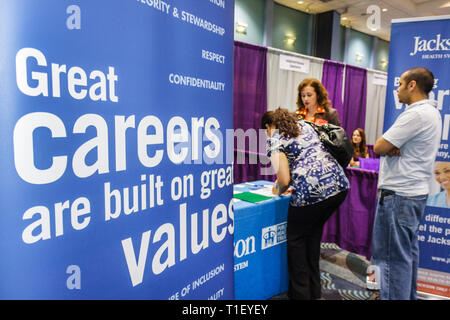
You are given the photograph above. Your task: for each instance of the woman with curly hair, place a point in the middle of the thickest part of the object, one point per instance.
(313, 104)
(319, 187)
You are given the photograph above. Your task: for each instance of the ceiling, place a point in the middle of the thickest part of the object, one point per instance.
(355, 11)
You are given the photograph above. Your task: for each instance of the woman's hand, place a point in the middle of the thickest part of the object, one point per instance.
(275, 189)
(353, 163)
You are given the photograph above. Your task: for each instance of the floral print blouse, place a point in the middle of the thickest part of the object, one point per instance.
(315, 174)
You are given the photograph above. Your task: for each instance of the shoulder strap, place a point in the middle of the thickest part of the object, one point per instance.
(313, 125)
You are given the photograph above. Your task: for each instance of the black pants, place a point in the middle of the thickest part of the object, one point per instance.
(304, 233)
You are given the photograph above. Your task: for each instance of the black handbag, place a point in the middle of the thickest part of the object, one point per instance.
(335, 140)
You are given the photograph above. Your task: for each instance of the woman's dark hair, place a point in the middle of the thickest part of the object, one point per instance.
(361, 149)
(283, 120)
(322, 93)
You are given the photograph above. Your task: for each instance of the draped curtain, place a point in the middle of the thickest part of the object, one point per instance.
(282, 84)
(332, 80)
(250, 85)
(353, 113)
(376, 99)
(250, 103)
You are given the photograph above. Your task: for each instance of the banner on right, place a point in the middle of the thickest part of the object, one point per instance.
(425, 42)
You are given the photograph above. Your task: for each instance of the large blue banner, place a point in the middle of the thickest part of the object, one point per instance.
(114, 180)
(425, 42)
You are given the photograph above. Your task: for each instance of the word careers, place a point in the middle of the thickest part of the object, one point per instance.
(24, 144)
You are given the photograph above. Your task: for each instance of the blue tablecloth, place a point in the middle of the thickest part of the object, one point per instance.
(260, 257)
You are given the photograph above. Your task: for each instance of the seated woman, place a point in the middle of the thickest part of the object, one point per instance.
(319, 187)
(359, 147)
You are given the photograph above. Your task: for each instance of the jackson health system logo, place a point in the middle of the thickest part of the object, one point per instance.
(436, 44)
(270, 236)
(273, 235)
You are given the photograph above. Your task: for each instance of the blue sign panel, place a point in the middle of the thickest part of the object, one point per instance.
(426, 43)
(114, 183)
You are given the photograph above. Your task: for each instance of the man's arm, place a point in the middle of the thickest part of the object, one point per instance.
(384, 147)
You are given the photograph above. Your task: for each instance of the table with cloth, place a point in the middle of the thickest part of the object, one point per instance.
(260, 255)
(260, 269)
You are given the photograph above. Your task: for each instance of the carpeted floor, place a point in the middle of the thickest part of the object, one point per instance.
(343, 275)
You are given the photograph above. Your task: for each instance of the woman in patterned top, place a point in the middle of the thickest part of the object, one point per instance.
(320, 186)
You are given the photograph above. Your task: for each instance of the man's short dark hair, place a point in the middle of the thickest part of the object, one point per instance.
(424, 78)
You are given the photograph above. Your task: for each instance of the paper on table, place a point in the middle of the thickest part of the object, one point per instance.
(251, 197)
(265, 191)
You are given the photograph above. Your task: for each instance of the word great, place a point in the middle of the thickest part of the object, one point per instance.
(180, 143)
(76, 78)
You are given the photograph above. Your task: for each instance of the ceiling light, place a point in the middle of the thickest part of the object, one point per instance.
(300, 2)
(344, 18)
(384, 9)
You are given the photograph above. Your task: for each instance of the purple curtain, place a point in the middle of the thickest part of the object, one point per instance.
(250, 103)
(350, 226)
(354, 110)
(332, 81)
(250, 85)
(372, 153)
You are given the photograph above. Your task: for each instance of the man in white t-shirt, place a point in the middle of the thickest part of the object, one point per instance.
(409, 148)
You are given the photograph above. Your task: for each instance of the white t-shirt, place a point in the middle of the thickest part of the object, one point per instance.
(417, 133)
